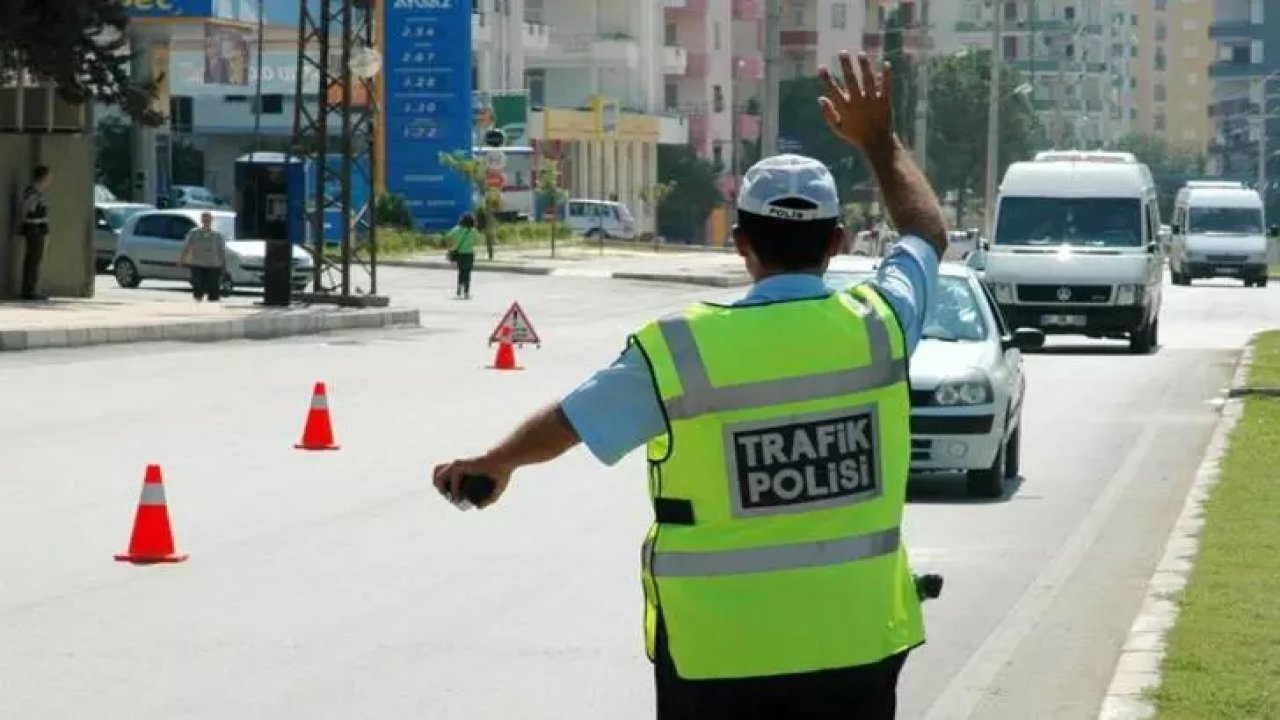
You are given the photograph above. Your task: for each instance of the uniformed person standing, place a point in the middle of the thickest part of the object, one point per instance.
(776, 581)
(35, 230)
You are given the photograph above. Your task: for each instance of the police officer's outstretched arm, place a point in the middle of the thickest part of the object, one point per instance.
(861, 112)
(545, 435)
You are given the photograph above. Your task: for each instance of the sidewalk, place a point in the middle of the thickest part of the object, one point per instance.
(160, 317)
(669, 264)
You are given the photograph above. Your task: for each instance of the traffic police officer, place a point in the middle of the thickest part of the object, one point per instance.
(35, 229)
(776, 582)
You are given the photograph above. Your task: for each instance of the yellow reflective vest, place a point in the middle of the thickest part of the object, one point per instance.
(779, 487)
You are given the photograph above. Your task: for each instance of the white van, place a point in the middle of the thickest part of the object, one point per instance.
(1074, 249)
(1218, 231)
(594, 218)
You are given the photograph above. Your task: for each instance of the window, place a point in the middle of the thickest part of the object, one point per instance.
(1160, 92)
(1161, 122)
(715, 35)
(1161, 60)
(670, 36)
(1225, 220)
(671, 95)
(271, 105)
(797, 12)
(150, 226)
(717, 98)
(181, 113)
(1010, 49)
(1010, 11)
(1069, 12)
(1161, 31)
(1162, 5)
(535, 81)
(717, 153)
(1070, 50)
(1255, 12)
(839, 15)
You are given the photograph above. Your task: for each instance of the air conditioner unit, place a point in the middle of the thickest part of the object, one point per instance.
(39, 109)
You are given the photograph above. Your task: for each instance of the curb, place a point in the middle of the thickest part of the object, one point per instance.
(1138, 669)
(260, 327)
(719, 281)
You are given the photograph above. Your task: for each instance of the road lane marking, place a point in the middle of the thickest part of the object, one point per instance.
(971, 684)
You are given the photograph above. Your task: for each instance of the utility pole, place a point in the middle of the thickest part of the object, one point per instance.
(993, 123)
(922, 97)
(769, 121)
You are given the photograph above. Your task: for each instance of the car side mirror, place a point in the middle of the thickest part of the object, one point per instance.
(1274, 231)
(1024, 339)
(1153, 247)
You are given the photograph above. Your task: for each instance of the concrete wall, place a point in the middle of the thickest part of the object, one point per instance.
(68, 261)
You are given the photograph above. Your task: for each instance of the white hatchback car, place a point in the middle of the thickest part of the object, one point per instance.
(150, 242)
(967, 380)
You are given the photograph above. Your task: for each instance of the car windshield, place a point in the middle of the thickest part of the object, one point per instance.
(117, 217)
(956, 315)
(1232, 220)
(1097, 222)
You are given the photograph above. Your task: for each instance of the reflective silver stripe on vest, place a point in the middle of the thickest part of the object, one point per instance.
(152, 494)
(699, 397)
(775, 558)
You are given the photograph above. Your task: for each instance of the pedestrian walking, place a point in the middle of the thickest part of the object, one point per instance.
(204, 251)
(462, 252)
(775, 578)
(35, 230)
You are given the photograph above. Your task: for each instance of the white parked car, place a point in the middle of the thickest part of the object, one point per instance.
(967, 380)
(108, 219)
(593, 218)
(150, 242)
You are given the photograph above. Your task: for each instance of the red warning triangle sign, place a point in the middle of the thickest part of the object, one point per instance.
(516, 328)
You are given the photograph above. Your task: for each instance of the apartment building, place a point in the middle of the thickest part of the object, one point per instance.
(723, 77)
(1174, 53)
(1081, 58)
(1245, 73)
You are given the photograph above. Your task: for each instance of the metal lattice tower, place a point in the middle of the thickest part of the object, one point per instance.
(330, 35)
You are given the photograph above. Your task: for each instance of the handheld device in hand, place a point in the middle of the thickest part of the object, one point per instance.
(475, 489)
(928, 587)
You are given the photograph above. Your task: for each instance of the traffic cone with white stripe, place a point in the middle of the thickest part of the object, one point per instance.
(318, 432)
(152, 540)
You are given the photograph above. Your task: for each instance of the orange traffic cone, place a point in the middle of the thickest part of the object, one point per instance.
(318, 433)
(152, 540)
(506, 357)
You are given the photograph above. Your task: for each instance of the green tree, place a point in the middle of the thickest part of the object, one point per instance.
(684, 214)
(958, 98)
(803, 123)
(551, 195)
(80, 46)
(115, 156)
(1171, 166)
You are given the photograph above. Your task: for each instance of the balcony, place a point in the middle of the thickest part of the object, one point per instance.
(798, 38)
(675, 60)
(536, 37)
(749, 66)
(748, 127)
(1227, 70)
(584, 50)
(748, 10)
(1236, 30)
(686, 7)
(696, 64)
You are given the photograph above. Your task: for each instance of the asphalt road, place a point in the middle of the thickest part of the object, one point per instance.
(337, 585)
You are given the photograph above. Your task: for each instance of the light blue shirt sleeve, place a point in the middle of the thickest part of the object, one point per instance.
(616, 410)
(907, 278)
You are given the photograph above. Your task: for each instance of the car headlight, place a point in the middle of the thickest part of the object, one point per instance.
(1129, 294)
(966, 391)
(1002, 291)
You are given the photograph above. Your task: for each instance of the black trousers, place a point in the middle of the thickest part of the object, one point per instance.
(206, 281)
(866, 692)
(466, 261)
(32, 257)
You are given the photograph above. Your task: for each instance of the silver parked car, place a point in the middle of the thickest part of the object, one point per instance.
(108, 219)
(967, 380)
(151, 241)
